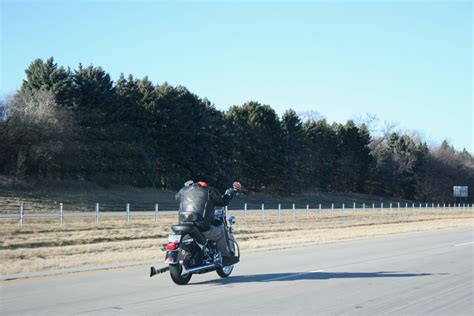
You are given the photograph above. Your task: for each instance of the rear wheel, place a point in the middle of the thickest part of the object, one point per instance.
(175, 272)
(224, 272)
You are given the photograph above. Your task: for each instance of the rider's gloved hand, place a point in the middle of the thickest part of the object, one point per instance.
(236, 185)
(235, 188)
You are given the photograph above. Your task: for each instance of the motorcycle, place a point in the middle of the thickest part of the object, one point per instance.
(188, 252)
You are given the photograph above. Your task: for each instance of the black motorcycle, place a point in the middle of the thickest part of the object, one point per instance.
(188, 252)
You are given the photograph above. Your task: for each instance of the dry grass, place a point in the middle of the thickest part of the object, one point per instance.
(42, 244)
(78, 196)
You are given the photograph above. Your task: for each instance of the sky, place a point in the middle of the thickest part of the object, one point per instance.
(407, 62)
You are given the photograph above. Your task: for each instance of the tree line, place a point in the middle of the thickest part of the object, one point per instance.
(80, 125)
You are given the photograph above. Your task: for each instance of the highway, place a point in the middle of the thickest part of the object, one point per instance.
(418, 273)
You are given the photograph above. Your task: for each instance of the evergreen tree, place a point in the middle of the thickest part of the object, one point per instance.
(48, 76)
(258, 153)
(398, 162)
(294, 152)
(125, 125)
(354, 157)
(321, 161)
(94, 100)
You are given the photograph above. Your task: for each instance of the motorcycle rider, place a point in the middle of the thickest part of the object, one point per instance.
(197, 202)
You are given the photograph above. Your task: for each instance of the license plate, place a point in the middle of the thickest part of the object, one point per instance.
(174, 238)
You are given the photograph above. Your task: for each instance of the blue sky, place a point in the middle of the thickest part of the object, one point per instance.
(407, 62)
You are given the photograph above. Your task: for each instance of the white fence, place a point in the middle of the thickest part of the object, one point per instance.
(391, 208)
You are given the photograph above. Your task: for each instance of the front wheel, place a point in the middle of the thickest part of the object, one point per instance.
(177, 277)
(224, 272)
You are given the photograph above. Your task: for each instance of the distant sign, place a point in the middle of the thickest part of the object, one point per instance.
(459, 191)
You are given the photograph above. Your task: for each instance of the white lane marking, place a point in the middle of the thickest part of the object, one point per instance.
(464, 243)
(291, 275)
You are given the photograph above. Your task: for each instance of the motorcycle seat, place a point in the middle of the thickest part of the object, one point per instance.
(183, 228)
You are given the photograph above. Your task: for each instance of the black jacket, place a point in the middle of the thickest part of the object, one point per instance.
(196, 204)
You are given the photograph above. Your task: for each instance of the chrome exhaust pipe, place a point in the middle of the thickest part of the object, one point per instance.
(155, 271)
(199, 269)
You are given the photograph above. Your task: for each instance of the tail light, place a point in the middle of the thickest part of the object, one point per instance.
(172, 246)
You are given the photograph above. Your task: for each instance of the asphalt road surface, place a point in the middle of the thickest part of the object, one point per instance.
(420, 273)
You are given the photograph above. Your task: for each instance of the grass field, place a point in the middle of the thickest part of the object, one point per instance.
(77, 196)
(42, 244)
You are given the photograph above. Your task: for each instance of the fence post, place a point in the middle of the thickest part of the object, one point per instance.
(320, 210)
(353, 208)
(343, 207)
(21, 214)
(373, 207)
(363, 206)
(307, 210)
(279, 211)
(61, 217)
(381, 208)
(406, 207)
(245, 212)
(390, 209)
(263, 208)
(128, 212)
(294, 211)
(156, 212)
(332, 208)
(398, 208)
(97, 213)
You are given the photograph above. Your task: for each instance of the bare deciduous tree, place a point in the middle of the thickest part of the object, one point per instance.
(370, 120)
(310, 116)
(35, 133)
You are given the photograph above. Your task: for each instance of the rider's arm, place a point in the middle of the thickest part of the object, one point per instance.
(178, 195)
(218, 199)
(228, 195)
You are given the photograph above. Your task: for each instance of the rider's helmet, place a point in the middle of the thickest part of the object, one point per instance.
(202, 184)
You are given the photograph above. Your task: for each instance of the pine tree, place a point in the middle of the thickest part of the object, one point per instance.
(47, 76)
(258, 152)
(294, 152)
